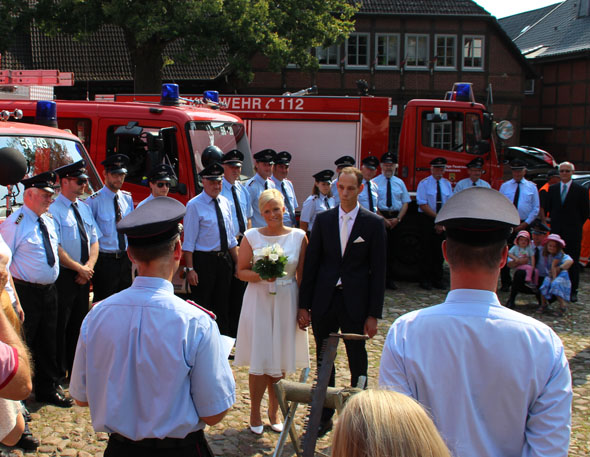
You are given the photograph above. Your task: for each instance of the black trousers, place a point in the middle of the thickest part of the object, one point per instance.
(73, 304)
(431, 267)
(194, 445)
(391, 236)
(40, 307)
(519, 285)
(111, 275)
(215, 271)
(337, 318)
(505, 278)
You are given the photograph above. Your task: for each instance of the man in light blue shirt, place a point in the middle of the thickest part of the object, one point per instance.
(261, 181)
(78, 252)
(369, 196)
(279, 177)
(210, 247)
(496, 382)
(144, 353)
(474, 170)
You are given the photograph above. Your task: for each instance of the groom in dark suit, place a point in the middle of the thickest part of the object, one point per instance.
(567, 204)
(343, 284)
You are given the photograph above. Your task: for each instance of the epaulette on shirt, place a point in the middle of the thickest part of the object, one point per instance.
(19, 218)
(206, 311)
(126, 192)
(49, 215)
(250, 183)
(94, 195)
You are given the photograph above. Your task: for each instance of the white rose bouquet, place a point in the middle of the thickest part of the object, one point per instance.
(269, 262)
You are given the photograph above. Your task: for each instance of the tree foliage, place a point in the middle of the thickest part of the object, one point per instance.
(282, 30)
(14, 17)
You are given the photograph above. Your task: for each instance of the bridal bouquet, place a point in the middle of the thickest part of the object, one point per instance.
(269, 262)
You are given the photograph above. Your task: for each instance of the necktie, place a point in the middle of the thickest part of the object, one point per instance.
(120, 236)
(288, 204)
(563, 193)
(327, 202)
(221, 226)
(474, 184)
(239, 213)
(389, 201)
(537, 255)
(83, 235)
(46, 243)
(438, 196)
(265, 185)
(370, 195)
(516, 195)
(344, 233)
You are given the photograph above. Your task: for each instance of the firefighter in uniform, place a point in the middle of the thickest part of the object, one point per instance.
(109, 205)
(392, 203)
(474, 169)
(431, 194)
(210, 247)
(78, 253)
(32, 236)
(160, 180)
(368, 197)
(241, 212)
(261, 181)
(152, 368)
(341, 163)
(320, 200)
(279, 177)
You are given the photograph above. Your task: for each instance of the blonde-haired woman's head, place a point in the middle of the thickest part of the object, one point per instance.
(268, 195)
(382, 423)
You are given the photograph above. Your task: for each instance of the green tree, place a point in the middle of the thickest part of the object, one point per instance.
(282, 30)
(14, 18)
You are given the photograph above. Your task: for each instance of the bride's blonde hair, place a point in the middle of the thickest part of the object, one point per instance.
(268, 195)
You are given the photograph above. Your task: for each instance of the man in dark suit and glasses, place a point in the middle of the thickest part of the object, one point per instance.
(567, 203)
(343, 283)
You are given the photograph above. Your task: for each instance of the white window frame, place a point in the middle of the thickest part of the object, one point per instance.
(438, 66)
(329, 49)
(441, 135)
(529, 86)
(367, 36)
(483, 47)
(418, 36)
(387, 36)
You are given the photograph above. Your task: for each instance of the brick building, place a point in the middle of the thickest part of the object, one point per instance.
(556, 110)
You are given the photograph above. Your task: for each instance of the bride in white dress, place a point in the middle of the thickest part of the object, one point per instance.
(269, 340)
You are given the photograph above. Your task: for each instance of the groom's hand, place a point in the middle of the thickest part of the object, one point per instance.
(370, 327)
(303, 318)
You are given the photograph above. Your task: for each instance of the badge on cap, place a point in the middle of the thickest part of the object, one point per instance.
(438, 162)
(233, 157)
(324, 176)
(44, 181)
(389, 157)
(283, 158)
(213, 172)
(371, 162)
(73, 170)
(265, 156)
(116, 163)
(345, 161)
(476, 163)
(161, 172)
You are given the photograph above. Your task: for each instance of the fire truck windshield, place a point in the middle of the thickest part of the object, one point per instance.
(224, 135)
(45, 154)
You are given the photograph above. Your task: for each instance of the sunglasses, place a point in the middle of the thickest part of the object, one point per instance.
(162, 184)
(79, 181)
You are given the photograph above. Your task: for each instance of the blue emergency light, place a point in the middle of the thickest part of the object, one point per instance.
(46, 113)
(170, 94)
(463, 92)
(211, 96)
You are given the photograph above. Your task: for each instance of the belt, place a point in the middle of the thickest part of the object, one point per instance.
(165, 443)
(213, 253)
(388, 214)
(31, 284)
(113, 255)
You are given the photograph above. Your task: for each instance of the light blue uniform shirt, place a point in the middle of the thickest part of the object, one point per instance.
(467, 183)
(334, 189)
(364, 196)
(150, 364)
(255, 186)
(145, 200)
(399, 193)
(103, 210)
(244, 199)
(314, 205)
(23, 236)
(426, 192)
(66, 223)
(290, 190)
(497, 382)
(528, 198)
(201, 230)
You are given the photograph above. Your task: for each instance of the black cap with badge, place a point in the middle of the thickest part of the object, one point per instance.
(324, 176)
(345, 161)
(478, 216)
(371, 162)
(233, 157)
(476, 163)
(156, 221)
(44, 181)
(266, 156)
(518, 164)
(389, 157)
(161, 172)
(438, 162)
(116, 163)
(283, 158)
(213, 172)
(73, 170)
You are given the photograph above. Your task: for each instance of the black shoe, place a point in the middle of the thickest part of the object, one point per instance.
(505, 288)
(27, 441)
(55, 398)
(425, 285)
(510, 303)
(574, 297)
(324, 428)
(390, 284)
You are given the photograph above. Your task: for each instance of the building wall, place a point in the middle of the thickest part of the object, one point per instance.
(556, 117)
(501, 69)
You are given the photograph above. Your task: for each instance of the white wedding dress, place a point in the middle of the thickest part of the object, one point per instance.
(269, 340)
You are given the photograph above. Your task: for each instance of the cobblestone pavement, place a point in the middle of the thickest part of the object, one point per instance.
(68, 432)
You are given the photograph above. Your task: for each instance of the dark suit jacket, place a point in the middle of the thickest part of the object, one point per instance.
(362, 268)
(568, 219)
